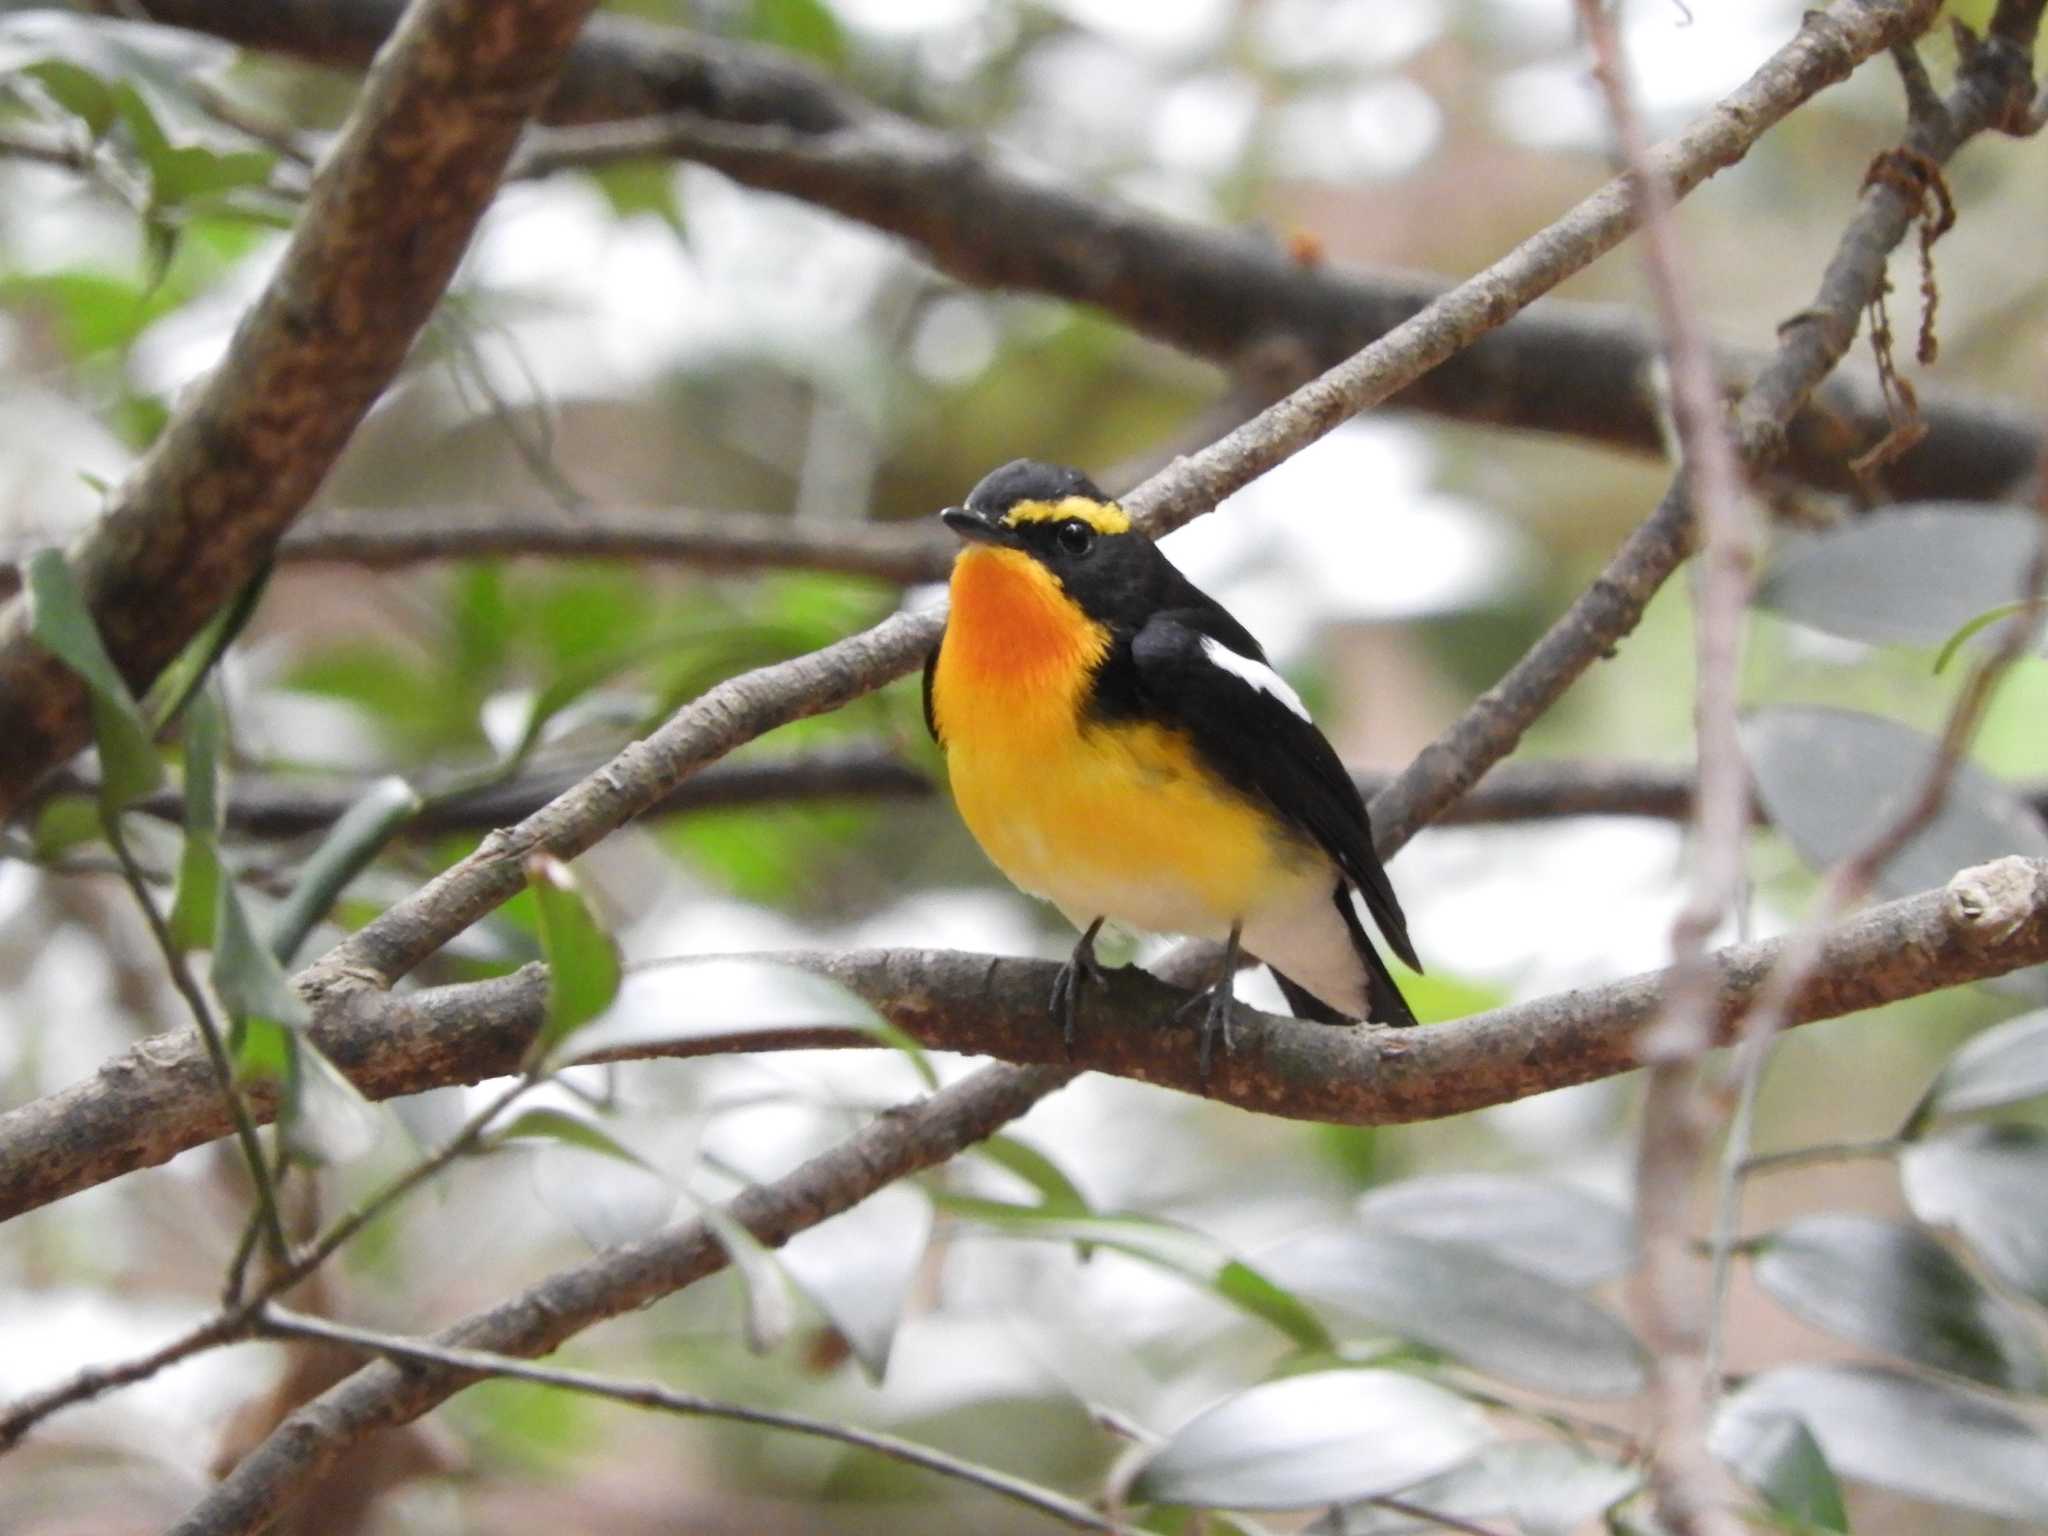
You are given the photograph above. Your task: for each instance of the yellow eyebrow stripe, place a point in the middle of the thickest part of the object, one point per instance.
(1103, 516)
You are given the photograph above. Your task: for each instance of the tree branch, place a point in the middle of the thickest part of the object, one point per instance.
(388, 217)
(155, 1099)
(265, 806)
(902, 553)
(760, 117)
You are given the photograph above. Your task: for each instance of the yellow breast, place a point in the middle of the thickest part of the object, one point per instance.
(1106, 820)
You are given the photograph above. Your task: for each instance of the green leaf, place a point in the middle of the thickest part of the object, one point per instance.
(1895, 1289)
(860, 1267)
(1541, 1225)
(190, 173)
(540, 1123)
(251, 984)
(1990, 1183)
(355, 839)
(194, 664)
(1927, 1439)
(196, 905)
(1181, 1250)
(1908, 575)
(78, 91)
(63, 625)
(1510, 1322)
(1320, 1438)
(264, 1051)
(2003, 1065)
(1058, 1195)
(799, 26)
(1784, 1463)
(135, 112)
(642, 186)
(1976, 626)
(583, 962)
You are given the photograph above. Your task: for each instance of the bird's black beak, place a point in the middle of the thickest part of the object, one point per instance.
(976, 529)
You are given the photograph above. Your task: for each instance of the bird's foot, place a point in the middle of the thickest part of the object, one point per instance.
(1082, 967)
(1214, 1003)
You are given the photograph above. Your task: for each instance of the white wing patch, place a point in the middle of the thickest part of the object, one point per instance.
(1257, 673)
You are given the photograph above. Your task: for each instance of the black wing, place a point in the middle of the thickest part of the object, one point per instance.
(931, 665)
(1259, 744)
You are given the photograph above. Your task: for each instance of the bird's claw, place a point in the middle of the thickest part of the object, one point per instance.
(1216, 1004)
(1081, 968)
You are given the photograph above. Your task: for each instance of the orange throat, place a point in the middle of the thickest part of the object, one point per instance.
(1014, 640)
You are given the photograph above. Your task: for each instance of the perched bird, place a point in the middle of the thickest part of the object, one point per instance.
(1119, 745)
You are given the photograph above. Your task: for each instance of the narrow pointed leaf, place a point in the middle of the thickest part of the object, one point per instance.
(1928, 1439)
(1057, 1194)
(540, 1123)
(859, 1268)
(355, 839)
(251, 984)
(77, 90)
(63, 625)
(326, 1121)
(1184, 1251)
(1541, 1225)
(583, 962)
(1990, 1183)
(764, 1288)
(1784, 1463)
(1321, 1438)
(1512, 1323)
(196, 903)
(1894, 1288)
(191, 667)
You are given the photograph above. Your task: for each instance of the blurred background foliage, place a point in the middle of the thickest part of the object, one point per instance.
(650, 336)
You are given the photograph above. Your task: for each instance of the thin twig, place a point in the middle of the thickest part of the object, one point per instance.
(268, 1219)
(1689, 1491)
(477, 1364)
(238, 1315)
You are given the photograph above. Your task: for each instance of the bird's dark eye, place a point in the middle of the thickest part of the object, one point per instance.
(1075, 537)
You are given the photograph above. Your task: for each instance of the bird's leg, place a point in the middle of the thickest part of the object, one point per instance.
(1081, 966)
(1216, 1001)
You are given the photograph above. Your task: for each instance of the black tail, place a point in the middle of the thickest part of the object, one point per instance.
(1305, 1004)
(1386, 1005)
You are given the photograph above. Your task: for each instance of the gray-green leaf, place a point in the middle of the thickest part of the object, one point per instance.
(1542, 1225)
(1321, 1438)
(1512, 1323)
(1894, 1288)
(1909, 575)
(1924, 1438)
(1990, 1183)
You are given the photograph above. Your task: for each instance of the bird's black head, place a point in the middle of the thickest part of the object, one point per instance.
(1058, 517)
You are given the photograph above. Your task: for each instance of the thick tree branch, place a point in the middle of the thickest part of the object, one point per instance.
(388, 217)
(155, 1099)
(765, 120)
